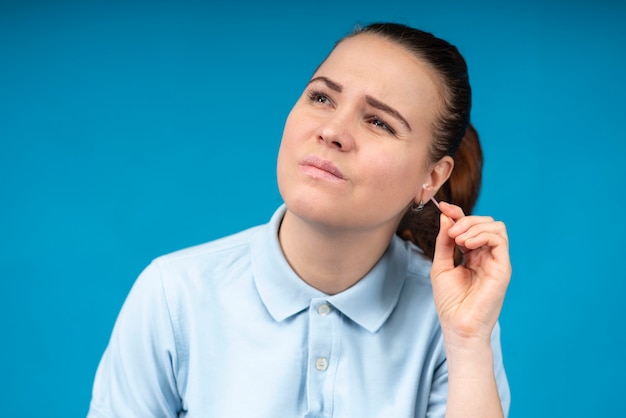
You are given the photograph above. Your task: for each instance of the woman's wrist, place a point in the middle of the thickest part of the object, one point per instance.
(469, 357)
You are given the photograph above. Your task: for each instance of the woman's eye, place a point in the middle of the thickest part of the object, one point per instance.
(318, 97)
(379, 123)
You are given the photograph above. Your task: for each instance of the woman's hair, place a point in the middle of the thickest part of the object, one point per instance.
(452, 132)
(462, 189)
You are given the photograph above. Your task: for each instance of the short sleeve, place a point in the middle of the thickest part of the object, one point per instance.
(136, 376)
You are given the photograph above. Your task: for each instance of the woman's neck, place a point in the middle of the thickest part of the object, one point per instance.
(328, 259)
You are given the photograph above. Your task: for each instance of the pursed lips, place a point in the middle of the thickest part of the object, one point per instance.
(324, 165)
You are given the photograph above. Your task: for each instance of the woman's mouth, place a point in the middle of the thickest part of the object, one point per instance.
(319, 167)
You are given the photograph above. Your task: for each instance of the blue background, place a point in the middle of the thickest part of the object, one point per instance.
(132, 129)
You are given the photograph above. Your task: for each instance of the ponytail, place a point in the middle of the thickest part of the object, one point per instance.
(461, 189)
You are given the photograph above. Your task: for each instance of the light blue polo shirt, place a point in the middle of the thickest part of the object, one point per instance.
(227, 329)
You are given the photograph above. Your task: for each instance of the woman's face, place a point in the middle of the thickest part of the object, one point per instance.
(354, 153)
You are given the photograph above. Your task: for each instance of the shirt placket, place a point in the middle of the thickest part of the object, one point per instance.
(322, 358)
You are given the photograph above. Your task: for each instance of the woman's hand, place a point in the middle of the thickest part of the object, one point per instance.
(469, 297)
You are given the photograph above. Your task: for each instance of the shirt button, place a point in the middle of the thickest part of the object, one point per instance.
(321, 364)
(323, 309)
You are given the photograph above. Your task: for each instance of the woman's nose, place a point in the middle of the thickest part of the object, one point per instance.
(336, 131)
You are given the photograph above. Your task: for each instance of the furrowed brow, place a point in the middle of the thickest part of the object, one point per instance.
(387, 109)
(370, 100)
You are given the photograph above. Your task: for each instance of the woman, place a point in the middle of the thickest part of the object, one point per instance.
(326, 311)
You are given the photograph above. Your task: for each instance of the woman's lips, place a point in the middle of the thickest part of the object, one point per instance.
(318, 166)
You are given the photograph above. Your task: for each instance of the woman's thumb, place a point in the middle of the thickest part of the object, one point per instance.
(443, 259)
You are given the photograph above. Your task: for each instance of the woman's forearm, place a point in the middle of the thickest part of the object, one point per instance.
(472, 389)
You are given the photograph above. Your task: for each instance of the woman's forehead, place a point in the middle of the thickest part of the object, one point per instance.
(379, 58)
(373, 65)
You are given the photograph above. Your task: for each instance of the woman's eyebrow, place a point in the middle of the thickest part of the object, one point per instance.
(329, 83)
(369, 99)
(387, 109)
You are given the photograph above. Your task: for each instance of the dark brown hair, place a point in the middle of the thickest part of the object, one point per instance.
(453, 134)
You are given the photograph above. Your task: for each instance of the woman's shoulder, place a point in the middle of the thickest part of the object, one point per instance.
(215, 247)
(209, 261)
(234, 245)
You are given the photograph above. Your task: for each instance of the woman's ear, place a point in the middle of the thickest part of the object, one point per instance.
(439, 173)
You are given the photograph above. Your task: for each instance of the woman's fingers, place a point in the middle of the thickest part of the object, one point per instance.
(452, 211)
(443, 259)
(478, 232)
(472, 230)
(469, 233)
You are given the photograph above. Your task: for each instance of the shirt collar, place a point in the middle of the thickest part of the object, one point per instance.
(372, 299)
(368, 303)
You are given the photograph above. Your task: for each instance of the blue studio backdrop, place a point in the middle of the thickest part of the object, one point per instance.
(132, 129)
